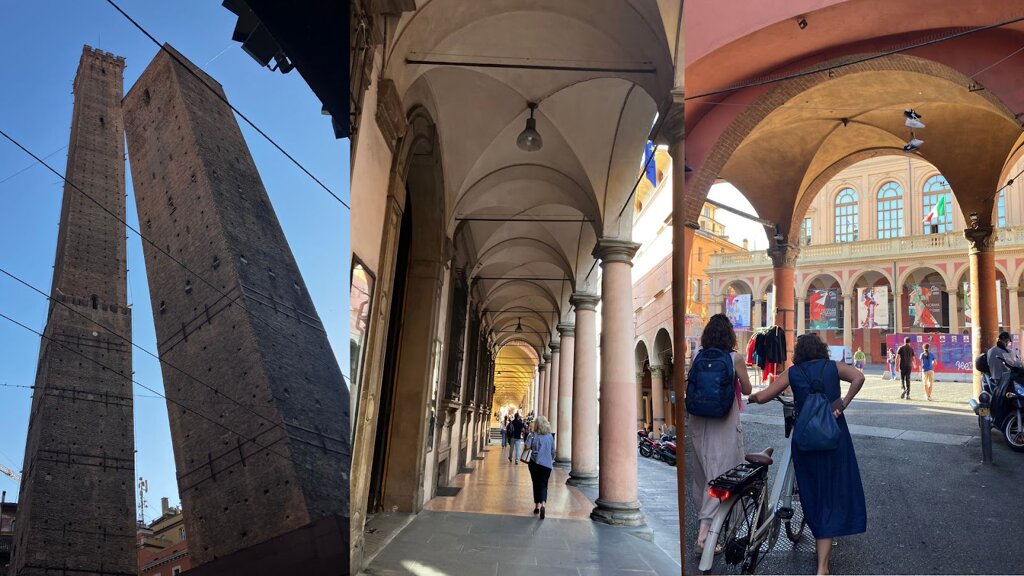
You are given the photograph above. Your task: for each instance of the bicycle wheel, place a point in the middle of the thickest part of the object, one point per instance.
(795, 525)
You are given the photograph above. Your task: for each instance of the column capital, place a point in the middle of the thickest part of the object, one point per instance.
(566, 329)
(640, 378)
(547, 358)
(555, 347)
(801, 298)
(657, 371)
(981, 239)
(847, 297)
(584, 301)
(1012, 289)
(783, 255)
(615, 250)
(541, 367)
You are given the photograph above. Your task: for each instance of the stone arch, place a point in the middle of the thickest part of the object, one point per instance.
(810, 277)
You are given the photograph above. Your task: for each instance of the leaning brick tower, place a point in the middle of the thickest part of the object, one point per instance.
(76, 513)
(266, 457)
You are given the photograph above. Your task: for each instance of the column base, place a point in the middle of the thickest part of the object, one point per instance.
(563, 462)
(617, 513)
(582, 478)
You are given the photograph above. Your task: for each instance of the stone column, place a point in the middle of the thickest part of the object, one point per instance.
(783, 267)
(1014, 313)
(542, 378)
(954, 309)
(848, 321)
(584, 392)
(897, 308)
(641, 414)
(657, 397)
(563, 443)
(801, 315)
(617, 488)
(553, 386)
(755, 315)
(984, 312)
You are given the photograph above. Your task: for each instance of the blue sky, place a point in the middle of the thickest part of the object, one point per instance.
(42, 41)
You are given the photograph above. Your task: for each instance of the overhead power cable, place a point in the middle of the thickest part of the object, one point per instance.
(231, 300)
(163, 47)
(231, 450)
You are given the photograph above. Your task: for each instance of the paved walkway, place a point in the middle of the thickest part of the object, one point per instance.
(488, 528)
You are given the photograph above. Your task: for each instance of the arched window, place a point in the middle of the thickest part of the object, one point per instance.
(846, 216)
(938, 198)
(1001, 209)
(890, 211)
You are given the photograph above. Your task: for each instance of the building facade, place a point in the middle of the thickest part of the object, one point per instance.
(867, 231)
(652, 290)
(163, 545)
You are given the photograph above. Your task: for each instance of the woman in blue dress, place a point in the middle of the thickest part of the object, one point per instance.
(831, 492)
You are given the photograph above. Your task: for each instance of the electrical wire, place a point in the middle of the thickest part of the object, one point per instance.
(145, 239)
(174, 56)
(26, 168)
(209, 462)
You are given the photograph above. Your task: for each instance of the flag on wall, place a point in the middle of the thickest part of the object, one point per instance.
(938, 212)
(651, 169)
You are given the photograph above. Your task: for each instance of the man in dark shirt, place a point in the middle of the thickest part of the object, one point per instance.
(905, 354)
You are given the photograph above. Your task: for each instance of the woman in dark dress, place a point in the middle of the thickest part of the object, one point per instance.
(831, 492)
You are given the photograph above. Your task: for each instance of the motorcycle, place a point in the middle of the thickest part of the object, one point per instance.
(667, 450)
(647, 445)
(1006, 410)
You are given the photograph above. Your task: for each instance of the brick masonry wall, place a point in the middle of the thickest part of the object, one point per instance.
(269, 451)
(76, 512)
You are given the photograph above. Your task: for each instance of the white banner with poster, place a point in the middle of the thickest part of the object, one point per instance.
(967, 303)
(873, 307)
(737, 309)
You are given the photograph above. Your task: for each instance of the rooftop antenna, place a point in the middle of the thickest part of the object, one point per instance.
(143, 488)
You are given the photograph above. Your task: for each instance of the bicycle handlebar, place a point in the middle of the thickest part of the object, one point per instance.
(786, 403)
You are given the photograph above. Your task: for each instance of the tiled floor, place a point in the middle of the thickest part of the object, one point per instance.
(489, 529)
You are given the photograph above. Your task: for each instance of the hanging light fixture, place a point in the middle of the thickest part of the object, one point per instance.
(519, 325)
(529, 139)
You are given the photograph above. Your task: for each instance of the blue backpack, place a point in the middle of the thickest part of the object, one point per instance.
(816, 429)
(711, 384)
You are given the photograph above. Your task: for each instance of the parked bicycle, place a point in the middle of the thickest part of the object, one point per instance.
(750, 517)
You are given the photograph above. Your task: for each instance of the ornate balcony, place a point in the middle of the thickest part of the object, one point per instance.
(952, 243)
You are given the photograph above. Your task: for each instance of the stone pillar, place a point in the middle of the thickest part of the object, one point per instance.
(848, 321)
(542, 386)
(801, 315)
(954, 309)
(783, 266)
(756, 321)
(617, 488)
(553, 383)
(897, 308)
(584, 392)
(641, 415)
(563, 437)
(657, 397)
(1014, 313)
(984, 312)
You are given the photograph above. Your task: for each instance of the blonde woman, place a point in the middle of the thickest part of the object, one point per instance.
(541, 461)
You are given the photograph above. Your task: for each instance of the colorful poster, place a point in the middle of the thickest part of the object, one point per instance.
(873, 307)
(952, 351)
(967, 303)
(737, 308)
(824, 309)
(924, 305)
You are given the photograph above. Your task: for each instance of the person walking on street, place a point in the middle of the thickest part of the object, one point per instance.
(890, 363)
(858, 359)
(516, 438)
(717, 442)
(504, 432)
(928, 371)
(831, 491)
(906, 360)
(542, 460)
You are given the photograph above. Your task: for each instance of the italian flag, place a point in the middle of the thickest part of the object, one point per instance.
(938, 211)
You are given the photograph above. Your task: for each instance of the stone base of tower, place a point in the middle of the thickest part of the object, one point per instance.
(317, 549)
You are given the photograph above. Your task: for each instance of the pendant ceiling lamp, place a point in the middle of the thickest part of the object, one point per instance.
(529, 139)
(519, 325)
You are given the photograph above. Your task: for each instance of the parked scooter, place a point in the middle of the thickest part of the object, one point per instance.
(646, 444)
(1006, 410)
(667, 450)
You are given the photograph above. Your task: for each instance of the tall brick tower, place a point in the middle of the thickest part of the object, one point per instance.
(76, 513)
(264, 462)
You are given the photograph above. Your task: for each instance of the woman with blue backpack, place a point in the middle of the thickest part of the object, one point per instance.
(824, 461)
(715, 385)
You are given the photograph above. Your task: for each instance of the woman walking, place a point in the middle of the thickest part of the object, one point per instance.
(542, 459)
(717, 442)
(831, 492)
(928, 361)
